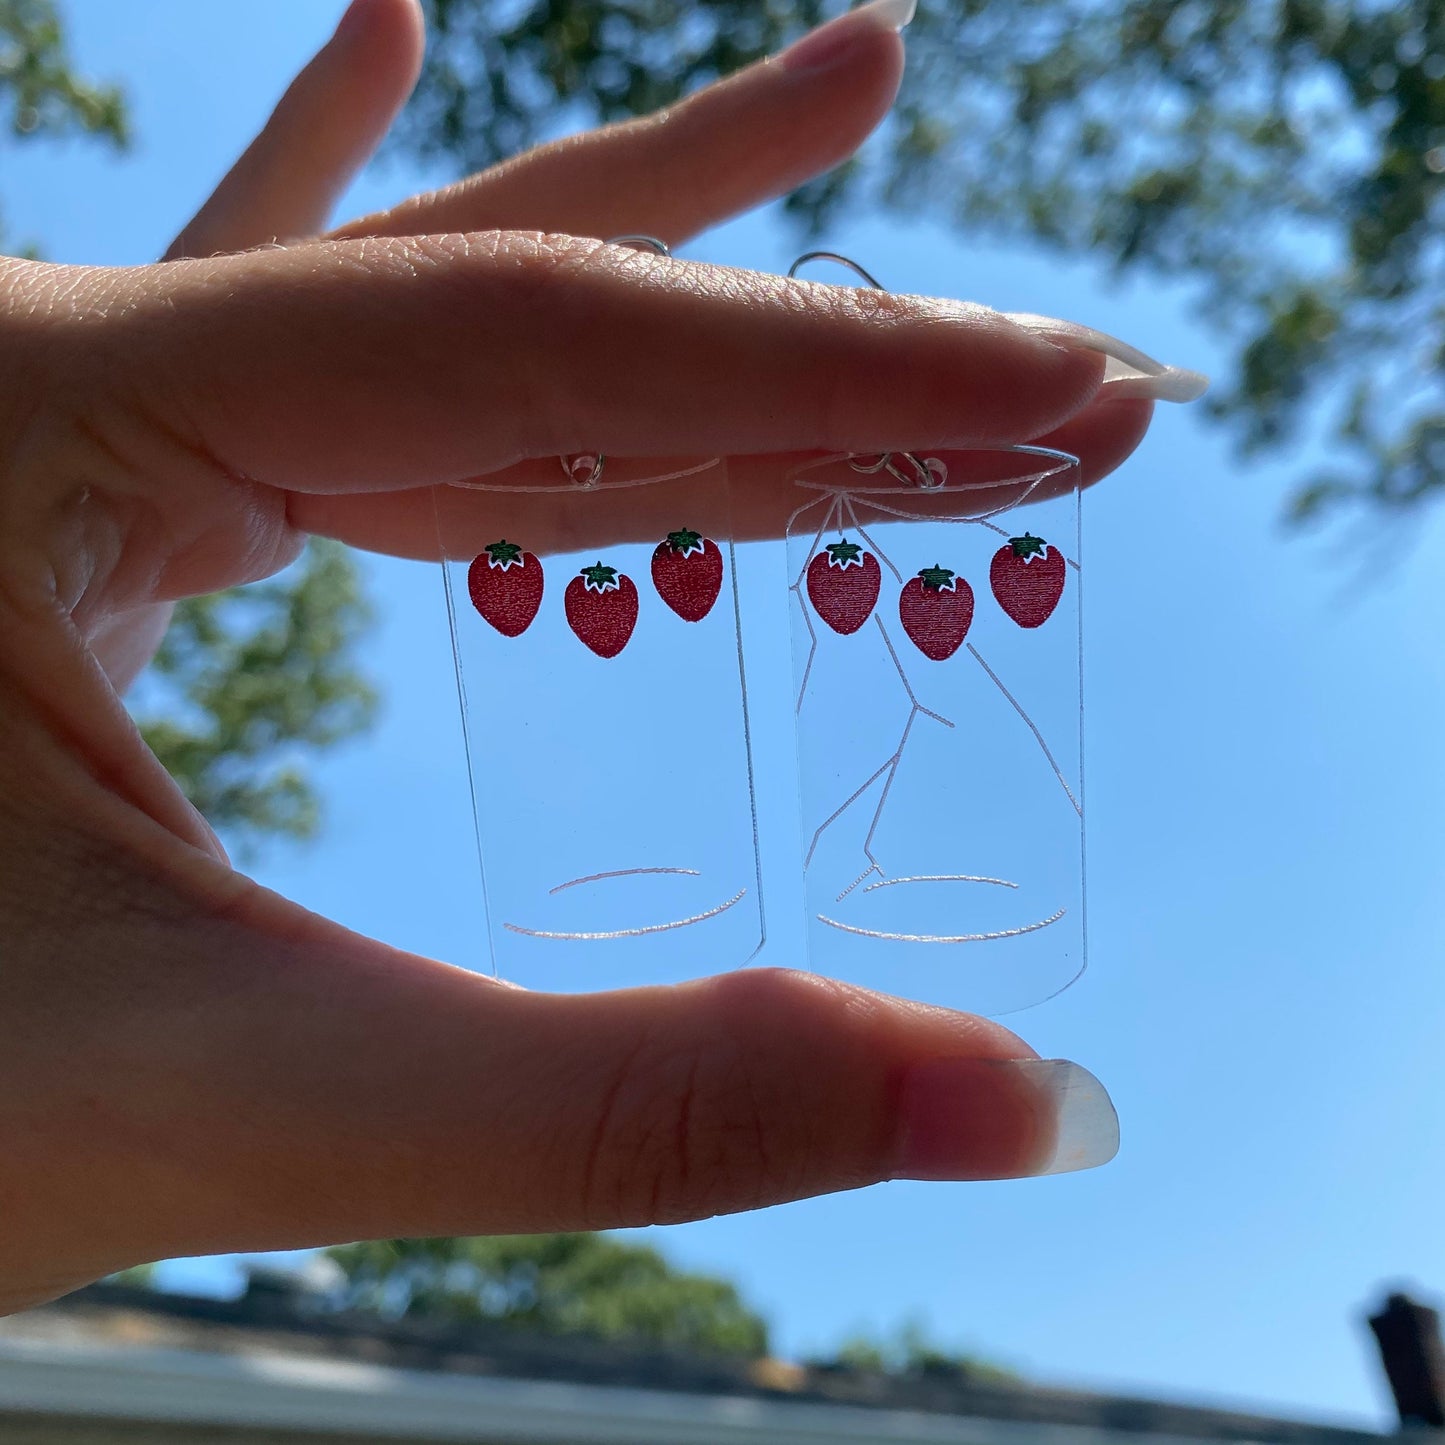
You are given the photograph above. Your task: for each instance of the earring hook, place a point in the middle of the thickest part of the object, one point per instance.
(927, 473)
(651, 242)
(853, 266)
(586, 470)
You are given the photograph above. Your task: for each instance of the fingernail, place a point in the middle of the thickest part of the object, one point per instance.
(829, 43)
(896, 14)
(1002, 1119)
(1127, 370)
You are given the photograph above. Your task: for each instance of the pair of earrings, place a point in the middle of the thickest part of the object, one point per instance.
(618, 809)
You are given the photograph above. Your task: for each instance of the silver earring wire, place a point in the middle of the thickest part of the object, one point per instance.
(586, 470)
(927, 473)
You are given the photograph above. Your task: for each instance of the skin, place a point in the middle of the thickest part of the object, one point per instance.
(190, 1063)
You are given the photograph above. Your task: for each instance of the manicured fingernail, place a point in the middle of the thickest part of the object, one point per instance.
(896, 14)
(829, 43)
(1002, 1119)
(1127, 371)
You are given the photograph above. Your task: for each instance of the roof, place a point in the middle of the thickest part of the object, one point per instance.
(269, 1370)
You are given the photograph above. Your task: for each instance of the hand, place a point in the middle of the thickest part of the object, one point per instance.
(190, 1063)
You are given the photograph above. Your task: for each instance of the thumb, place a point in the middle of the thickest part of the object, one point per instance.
(284, 1083)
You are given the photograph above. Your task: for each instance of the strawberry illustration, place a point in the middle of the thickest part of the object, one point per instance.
(687, 570)
(936, 610)
(506, 587)
(843, 583)
(601, 606)
(1027, 577)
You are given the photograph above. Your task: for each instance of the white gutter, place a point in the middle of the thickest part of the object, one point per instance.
(279, 1392)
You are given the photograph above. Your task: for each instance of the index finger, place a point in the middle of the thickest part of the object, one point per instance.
(381, 364)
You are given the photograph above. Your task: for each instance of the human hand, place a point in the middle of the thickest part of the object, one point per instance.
(190, 1063)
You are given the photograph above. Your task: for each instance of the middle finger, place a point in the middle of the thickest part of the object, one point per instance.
(731, 146)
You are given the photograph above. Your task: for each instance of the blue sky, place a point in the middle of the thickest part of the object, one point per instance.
(1265, 996)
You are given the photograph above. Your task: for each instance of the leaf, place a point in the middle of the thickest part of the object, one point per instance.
(252, 681)
(38, 87)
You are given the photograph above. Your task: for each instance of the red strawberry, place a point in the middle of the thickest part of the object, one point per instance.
(506, 587)
(843, 582)
(601, 608)
(1027, 577)
(687, 570)
(936, 610)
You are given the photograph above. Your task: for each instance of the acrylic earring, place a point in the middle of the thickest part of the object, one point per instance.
(595, 628)
(936, 621)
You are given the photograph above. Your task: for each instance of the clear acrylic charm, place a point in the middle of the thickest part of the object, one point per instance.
(938, 695)
(595, 625)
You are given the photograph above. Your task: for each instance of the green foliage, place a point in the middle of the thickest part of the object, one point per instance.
(498, 77)
(1283, 158)
(40, 95)
(39, 92)
(911, 1352)
(589, 1284)
(252, 676)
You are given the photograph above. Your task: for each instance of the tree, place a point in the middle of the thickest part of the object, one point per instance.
(589, 1284)
(911, 1352)
(250, 678)
(40, 95)
(39, 89)
(248, 681)
(1282, 157)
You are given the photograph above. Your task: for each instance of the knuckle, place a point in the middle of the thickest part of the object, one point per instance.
(542, 270)
(535, 295)
(687, 1136)
(866, 332)
(693, 1128)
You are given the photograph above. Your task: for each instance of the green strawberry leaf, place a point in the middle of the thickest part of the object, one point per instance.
(1028, 546)
(599, 578)
(844, 554)
(686, 541)
(936, 578)
(503, 554)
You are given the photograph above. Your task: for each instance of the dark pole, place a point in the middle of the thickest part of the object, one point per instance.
(1408, 1334)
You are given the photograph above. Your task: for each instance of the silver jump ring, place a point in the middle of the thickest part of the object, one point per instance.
(585, 470)
(926, 473)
